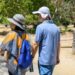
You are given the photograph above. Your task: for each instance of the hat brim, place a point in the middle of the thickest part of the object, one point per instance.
(14, 22)
(36, 12)
(42, 15)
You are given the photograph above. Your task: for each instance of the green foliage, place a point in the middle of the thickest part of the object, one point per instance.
(32, 31)
(31, 19)
(59, 9)
(65, 21)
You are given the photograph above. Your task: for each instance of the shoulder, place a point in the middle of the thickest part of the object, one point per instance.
(9, 37)
(39, 27)
(58, 29)
(11, 33)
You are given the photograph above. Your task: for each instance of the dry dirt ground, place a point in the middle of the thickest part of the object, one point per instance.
(67, 59)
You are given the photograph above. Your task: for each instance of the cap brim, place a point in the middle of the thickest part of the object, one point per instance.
(42, 15)
(36, 12)
(14, 22)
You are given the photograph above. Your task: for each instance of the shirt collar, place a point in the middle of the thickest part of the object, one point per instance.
(48, 21)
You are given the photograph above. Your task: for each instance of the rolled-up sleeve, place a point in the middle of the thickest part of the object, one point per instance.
(58, 37)
(38, 34)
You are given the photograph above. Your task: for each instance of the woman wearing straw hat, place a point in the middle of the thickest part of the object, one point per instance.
(12, 43)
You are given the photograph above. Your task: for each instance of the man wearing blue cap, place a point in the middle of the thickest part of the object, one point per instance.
(48, 40)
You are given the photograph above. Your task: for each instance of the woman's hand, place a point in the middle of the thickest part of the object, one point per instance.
(1, 52)
(6, 55)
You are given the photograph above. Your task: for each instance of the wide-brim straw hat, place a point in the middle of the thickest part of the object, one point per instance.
(18, 20)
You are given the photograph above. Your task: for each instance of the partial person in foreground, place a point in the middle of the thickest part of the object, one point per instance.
(12, 44)
(48, 40)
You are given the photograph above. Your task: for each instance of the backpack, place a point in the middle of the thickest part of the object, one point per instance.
(25, 57)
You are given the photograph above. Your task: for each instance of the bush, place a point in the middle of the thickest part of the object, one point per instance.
(65, 21)
(3, 20)
(32, 31)
(57, 21)
(31, 19)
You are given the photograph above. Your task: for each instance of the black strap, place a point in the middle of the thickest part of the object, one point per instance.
(18, 21)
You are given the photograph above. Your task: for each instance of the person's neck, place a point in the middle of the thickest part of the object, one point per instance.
(46, 19)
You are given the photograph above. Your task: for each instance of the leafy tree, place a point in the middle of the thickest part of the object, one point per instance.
(58, 9)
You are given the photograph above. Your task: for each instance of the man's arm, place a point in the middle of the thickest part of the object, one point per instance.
(58, 47)
(58, 53)
(38, 38)
(34, 48)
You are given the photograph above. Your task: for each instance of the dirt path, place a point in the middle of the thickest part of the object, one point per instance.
(67, 63)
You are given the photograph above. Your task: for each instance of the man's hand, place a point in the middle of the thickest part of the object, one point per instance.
(58, 61)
